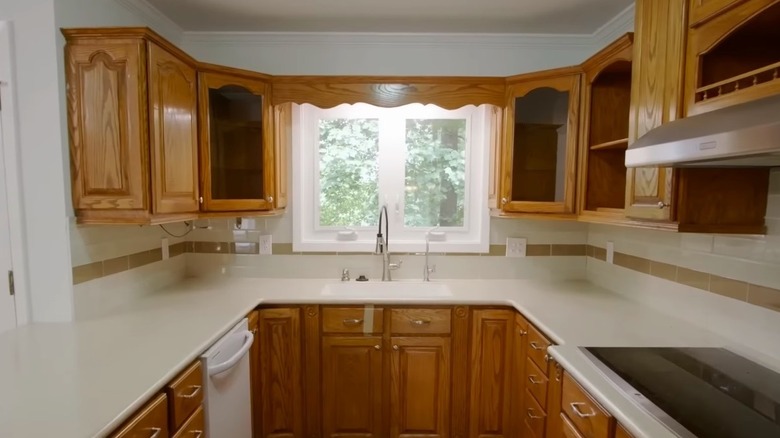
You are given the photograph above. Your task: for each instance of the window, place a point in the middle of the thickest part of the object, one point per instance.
(425, 163)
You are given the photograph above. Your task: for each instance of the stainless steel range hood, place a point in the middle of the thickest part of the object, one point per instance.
(745, 135)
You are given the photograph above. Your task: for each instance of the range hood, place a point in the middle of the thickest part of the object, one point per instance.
(744, 135)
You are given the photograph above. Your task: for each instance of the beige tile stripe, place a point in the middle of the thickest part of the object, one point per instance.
(736, 289)
(108, 267)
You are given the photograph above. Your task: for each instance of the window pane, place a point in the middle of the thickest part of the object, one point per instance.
(349, 188)
(435, 172)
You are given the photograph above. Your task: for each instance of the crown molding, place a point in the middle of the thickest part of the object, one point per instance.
(614, 28)
(158, 21)
(551, 41)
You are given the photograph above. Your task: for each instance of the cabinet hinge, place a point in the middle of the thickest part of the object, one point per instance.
(11, 287)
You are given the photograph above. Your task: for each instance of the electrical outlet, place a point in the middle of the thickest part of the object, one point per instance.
(266, 244)
(165, 249)
(610, 252)
(515, 246)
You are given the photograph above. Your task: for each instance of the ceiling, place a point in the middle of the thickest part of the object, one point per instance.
(439, 16)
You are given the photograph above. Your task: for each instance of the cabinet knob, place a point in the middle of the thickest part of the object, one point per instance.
(504, 201)
(200, 199)
(395, 347)
(377, 347)
(270, 199)
(523, 332)
(662, 204)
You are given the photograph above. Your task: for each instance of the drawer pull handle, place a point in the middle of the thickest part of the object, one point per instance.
(155, 432)
(197, 433)
(536, 346)
(421, 321)
(523, 332)
(575, 406)
(531, 414)
(195, 391)
(534, 382)
(352, 322)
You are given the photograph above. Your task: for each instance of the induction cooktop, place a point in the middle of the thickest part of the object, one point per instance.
(697, 392)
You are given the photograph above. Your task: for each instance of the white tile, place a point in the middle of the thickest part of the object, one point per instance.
(747, 247)
(696, 242)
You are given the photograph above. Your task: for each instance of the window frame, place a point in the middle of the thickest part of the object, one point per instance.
(309, 236)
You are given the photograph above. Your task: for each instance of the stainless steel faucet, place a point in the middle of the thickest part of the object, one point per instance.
(382, 247)
(427, 269)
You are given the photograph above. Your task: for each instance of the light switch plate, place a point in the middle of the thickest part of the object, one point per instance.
(165, 249)
(515, 246)
(266, 244)
(610, 252)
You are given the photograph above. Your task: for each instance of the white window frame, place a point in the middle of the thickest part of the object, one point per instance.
(474, 236)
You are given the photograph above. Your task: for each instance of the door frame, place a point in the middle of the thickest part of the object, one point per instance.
(12, 158)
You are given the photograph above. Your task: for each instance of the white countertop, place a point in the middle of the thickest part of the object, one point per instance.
(83, 379)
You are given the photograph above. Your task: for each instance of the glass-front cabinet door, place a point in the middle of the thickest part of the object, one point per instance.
(236, 138)
(540, 143)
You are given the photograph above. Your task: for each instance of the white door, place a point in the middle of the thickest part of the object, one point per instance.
(7, 301)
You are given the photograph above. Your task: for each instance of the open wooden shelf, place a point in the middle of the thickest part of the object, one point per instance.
(614, 144)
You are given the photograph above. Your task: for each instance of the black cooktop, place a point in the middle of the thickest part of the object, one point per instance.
(711, 392)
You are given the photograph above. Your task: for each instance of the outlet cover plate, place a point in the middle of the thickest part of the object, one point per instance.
(610, 252)
(266, 244)
(516, 246)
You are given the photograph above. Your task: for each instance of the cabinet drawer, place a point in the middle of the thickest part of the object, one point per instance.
(405, 321)
(185, 394)
(352, 320)
(590, 419)
(194, 427)
(568, 430)
(536, 382)
(537, 348)
(621, 432)
(535, 417)
(150, 420)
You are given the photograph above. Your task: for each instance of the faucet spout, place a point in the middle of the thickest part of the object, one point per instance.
(383, 243)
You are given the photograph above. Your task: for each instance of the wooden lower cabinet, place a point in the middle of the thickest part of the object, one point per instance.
(491, 364)
(254, 366)
(352, 386)
(420, 387)
(280, 373)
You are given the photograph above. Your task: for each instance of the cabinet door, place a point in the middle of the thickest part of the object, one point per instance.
(237, 152)
(656, 98)
(106, 106)
(518, 374)
(420, 387)
(540, 143)
(173, 107)
(280, 375)
(254, 368)
(491, 359)
(352, 387)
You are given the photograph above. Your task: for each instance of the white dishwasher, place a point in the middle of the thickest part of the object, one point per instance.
(226, 380)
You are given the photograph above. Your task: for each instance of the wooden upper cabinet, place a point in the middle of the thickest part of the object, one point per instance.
(491, 358)
(173, 106)
(280, 374)
(538, 159)
(605, 110)
(656, 98)
(420, 387)
(132, 102)
(732, 57)
(237, 144)
(352, 385)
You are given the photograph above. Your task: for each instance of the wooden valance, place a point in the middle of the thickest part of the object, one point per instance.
(389, 91)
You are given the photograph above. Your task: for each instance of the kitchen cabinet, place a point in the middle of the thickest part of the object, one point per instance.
(132, 122)
(606, 100)
(538, 158)
(280, 373)
(621, 432)
(492, 333)
(656, 99)
(236, 140)
(732, 54)
(583, 414)
(253, 319)
(151, 419)
(519, 359)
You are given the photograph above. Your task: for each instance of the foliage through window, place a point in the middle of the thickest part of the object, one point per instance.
(426, 164)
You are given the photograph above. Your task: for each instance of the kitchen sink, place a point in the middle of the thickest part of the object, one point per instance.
(387, 289)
